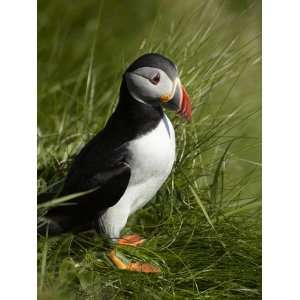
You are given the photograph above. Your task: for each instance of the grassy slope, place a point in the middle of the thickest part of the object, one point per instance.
(203, 227)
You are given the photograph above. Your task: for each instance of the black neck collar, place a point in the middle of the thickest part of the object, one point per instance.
(140, 118)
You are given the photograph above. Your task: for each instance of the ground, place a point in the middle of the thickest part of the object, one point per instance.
(203, 228)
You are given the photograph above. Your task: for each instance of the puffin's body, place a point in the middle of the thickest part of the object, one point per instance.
(151, 157)
(126, 163)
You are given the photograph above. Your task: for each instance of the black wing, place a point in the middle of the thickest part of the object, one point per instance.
(102, 167)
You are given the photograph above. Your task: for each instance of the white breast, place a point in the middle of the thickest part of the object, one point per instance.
(151, 160)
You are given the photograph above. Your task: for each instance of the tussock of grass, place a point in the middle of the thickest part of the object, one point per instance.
(203, 227)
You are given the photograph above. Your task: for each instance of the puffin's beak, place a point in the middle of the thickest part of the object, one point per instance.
(180, 102)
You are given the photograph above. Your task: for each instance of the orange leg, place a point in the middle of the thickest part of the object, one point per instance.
(132, 266)
(133, 240)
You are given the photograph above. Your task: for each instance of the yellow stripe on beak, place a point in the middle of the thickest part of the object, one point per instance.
(165, 98)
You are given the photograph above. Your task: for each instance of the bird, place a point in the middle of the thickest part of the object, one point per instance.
(126, 163)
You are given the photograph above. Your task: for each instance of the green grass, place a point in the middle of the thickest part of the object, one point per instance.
(203, 228)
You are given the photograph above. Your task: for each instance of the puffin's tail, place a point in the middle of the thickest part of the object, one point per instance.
(45, 197)
(49, 227)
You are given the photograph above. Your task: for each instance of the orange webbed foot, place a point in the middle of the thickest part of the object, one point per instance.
(132, 266)
(132, 240)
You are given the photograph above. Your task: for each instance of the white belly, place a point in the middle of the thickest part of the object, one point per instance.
(152, 159)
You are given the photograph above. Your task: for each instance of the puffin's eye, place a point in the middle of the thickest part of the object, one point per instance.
(155, 80)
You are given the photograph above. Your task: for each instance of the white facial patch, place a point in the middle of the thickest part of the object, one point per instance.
(144, 88)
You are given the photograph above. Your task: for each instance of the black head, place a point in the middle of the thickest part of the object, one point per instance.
(155, 60)
(153, 79)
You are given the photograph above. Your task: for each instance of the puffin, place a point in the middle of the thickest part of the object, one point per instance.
(126, 163)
